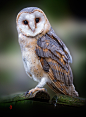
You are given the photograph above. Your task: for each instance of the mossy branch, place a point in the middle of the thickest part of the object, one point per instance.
(39, 102)
(44, 97)
(38, 95)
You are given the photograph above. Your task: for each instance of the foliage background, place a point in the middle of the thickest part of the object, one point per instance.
(68, 19)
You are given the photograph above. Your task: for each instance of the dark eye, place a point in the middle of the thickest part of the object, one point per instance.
(25, 22)
(37, 20)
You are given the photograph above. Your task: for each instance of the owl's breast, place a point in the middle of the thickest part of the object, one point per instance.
(31, 61)
(32, 65)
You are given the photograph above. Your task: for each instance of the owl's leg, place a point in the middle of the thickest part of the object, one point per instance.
(38, 87)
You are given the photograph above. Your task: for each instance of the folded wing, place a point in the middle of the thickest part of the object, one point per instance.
(55, 58)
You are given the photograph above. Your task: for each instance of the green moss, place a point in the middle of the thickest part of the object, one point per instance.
(68, 100)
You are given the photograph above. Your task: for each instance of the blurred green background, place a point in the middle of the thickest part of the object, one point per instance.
(66, 17)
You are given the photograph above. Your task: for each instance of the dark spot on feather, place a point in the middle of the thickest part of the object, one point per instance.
(45, 66)
(61, 88)
(53, 87)
(54, 80)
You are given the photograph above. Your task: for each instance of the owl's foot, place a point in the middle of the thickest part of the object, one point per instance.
(30, 92)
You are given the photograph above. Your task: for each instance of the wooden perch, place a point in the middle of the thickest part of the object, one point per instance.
(44, 96)
(38, 95)
(39, 103)
(69, 100)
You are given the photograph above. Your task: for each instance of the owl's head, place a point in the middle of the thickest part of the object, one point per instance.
(32, 21)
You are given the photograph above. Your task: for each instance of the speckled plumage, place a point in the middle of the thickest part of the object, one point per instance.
(45, 57)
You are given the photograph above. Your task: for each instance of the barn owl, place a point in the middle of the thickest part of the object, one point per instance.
(45, 57)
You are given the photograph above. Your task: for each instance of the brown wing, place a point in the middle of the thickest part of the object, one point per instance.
(55, 60)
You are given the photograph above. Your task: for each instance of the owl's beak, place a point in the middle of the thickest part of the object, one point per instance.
(33, 30)
(31, 26)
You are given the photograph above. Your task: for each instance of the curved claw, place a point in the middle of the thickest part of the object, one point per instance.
(26, 93)
(31, 93)
(45, 89)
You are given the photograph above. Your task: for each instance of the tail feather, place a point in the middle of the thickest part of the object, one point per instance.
(70, 90)
(74, 92)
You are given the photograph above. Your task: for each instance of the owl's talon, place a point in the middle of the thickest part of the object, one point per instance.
(45, 89)
(26, 93)
(31, 93)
